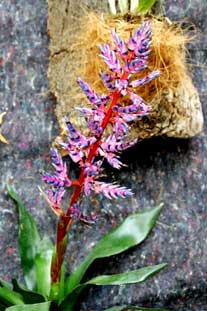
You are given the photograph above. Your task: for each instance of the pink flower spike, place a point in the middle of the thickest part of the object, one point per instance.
(135, 66)
(76, 139)
(121, 85)
(120, 126)
(75, 212)
(112, 145)
(55, 198)
(94, 118)
(145, 80)
(110, 58)
(108, 81)
(60, 179)
(93, 169)
(92, 96)
(131, 117)
(50, 200)
(119, 44)
(88, 184)
(111, 191)
(134, 108)
(57, 161)
(140, 41)
(111, 158)
(138, 103)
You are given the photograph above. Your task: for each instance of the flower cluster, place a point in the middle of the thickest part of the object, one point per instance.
(57, 182)
(123, 60)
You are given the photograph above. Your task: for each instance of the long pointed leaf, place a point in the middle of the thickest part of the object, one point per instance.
(68, 304)
(45, 306)
(136, 276)
(62, 284)
(132, 231)
(5, 284)
(9, 296)
(145, 5)
(43, 264)
(124, 308)
(28, 241)
(27, 296)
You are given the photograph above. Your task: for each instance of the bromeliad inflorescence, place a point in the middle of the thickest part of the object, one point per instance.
(123, 61)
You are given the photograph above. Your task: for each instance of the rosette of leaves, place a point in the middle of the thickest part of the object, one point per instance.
(36, 257)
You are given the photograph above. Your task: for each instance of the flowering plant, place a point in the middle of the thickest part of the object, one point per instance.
(47, 288)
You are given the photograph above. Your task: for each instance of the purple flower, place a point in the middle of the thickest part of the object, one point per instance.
(110, 58)
(120, 126)
(88, 184)
(111, 191)
(93, 97)
(120, 45)
(135, 65)
(55, 196)
(93, 169)
(108, 81)
(57, 182)
(140, 41)
(112, 158)
(123, 60)
(94, 119)
(145, 80)
(76, 213)
(60, 179)
(111, 144)
(77, 143)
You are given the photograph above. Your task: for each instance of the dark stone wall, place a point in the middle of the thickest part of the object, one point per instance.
(160, 170)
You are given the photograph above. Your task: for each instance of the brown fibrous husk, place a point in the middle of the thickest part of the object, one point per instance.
(175, 105)
(168, 51)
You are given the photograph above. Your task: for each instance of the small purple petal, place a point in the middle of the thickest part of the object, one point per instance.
(110, 58)
(75, 212)
(108, 81)
(146, 79)
(119, 43)
(111, 191)
(112, 145)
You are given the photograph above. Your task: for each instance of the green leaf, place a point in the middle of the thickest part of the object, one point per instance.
(43, 264)
(145, 5)
(45, 306)
(132, 231)
(28, 241)
(10, 296)
(62, 284)
(136, 276)
(5, 284)
(68, 304)
(54, 292)
(28, 296)
(124, 308)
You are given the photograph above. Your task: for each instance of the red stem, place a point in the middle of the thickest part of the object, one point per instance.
(66, 220)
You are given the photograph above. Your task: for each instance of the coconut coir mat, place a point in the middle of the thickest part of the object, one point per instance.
(75, 33)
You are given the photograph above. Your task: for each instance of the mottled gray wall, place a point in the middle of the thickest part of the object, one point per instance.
(160, 170)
